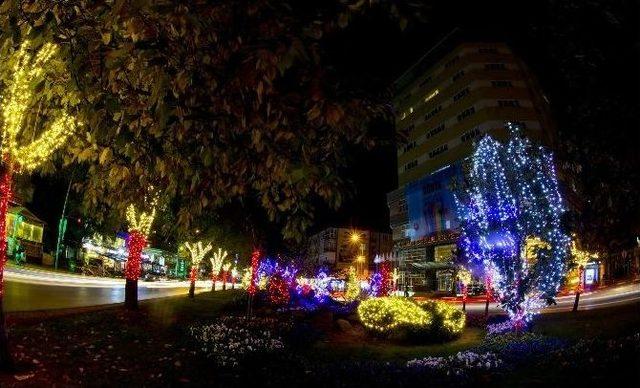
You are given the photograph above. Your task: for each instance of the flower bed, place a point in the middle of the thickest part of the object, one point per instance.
(230, 339)
(459, 364)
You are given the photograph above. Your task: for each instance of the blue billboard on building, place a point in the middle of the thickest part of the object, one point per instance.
(430, 203)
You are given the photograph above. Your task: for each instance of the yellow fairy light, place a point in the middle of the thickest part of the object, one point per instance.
(464, 275)
(217, 260)
(142, 221)
(28, 70)
(531, 246)
(197, 251)
(387, 313)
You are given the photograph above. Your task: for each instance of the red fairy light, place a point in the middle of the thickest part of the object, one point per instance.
(137, 242)
(255, 261)
(5, 196)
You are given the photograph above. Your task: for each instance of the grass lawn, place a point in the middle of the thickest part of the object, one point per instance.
(112, 346)
(372, 349)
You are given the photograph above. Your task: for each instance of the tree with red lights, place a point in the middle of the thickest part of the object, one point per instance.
(35, 123)
(197, 251)
(139, 227)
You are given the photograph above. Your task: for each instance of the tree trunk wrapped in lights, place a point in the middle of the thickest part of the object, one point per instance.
(216, 264)
(197, 251)
(511, 229)
(139, 228)
(20, 156)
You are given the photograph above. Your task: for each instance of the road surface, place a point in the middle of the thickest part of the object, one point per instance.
(603, 298)
(32, 289)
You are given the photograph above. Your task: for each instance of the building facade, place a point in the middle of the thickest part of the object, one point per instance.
(454, 95)
(341, 248)
(24, 235)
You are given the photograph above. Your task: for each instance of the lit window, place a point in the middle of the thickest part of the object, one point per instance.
(431, 95)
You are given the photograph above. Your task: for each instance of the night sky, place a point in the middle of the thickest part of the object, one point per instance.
(599, 39)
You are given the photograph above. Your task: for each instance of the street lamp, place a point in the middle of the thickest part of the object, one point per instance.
(356, 238)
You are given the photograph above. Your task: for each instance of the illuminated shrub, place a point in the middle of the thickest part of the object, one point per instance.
(447, 320)
(386, 314)
(404, 319)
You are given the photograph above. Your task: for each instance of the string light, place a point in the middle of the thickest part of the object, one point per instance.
(352, 291)
(216, 264)
(255, 262)
(140, 221)
(385, 314)
(139, 228)
(28, 71)
(136, 243)
(278, 290)
(197, 251)
(511, 223)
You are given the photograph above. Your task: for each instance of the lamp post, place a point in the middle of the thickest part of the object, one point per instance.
(356, 238)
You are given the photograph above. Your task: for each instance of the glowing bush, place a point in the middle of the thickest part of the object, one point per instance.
(383, 315)
(447, 320)
(404, 319)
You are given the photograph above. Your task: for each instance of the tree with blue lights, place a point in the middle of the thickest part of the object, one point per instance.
(510, 213)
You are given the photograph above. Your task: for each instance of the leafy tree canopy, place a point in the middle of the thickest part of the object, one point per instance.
(208, 102)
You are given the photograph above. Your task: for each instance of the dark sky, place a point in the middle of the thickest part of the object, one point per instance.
(575, 48)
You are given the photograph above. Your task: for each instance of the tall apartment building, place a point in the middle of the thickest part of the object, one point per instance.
(451, 97)
(339, 248)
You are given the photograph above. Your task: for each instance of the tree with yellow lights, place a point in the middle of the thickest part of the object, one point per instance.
(197, 251)
(225, 274)
(352, 288)
(139, 228)
(216, 264)
(34, 125)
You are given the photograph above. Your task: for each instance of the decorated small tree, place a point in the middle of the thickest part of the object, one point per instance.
(225, 274)
(197, 251)
(216, 264)
(139, 228)
(35, 123)
(464, 277)
(352, 287)
(510, 215)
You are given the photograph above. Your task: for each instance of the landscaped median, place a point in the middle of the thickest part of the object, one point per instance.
(210, 341)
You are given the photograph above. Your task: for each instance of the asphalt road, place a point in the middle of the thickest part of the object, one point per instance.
(31, 290)
(603, 298)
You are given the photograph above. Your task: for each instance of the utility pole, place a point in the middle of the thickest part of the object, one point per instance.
(62, 225)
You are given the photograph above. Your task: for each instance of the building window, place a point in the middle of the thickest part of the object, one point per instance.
(410, 165)
(508, 103)
(460, 94)
(466, 113)
(458, 75)
(473, 133)
(501, 84)
(408, 128)
(425, 81)
(435, 130)
(409, 146)
(434, 112)
(437, 151)
(488, 50)
(431, 95)
(451, 62)
(495, 66)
